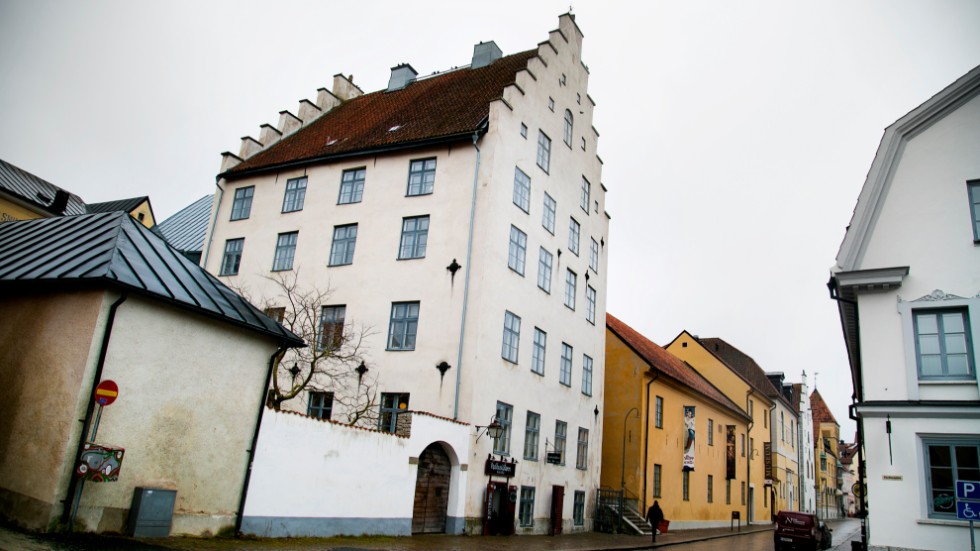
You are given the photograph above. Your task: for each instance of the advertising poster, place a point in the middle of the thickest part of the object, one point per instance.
(689, 438)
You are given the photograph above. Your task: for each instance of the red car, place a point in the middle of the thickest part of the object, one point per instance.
(795, 530)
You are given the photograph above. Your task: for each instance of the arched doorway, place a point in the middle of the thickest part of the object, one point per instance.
(431, 491)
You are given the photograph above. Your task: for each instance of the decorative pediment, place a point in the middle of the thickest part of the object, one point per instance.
(938, 295)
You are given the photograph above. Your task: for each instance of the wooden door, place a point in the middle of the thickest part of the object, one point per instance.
(431, 491)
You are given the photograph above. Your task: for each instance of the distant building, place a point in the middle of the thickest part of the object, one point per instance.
(907, 282)
(24, 196)
(186, 230)
(829, 473)
(137, 207)
(849, 489)
(800, 395)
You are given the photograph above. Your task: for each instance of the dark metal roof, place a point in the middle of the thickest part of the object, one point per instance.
(185, 230)
(125, 205)
(116, 249)
(36, 191)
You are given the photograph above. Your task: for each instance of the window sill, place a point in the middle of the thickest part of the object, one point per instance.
(942, 382)
(944, 522)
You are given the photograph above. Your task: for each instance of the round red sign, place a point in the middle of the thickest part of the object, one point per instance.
(106, 392)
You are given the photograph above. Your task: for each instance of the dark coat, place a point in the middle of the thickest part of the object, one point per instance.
(655, 514)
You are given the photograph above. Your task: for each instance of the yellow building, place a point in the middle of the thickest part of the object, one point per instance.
(721, 363)
(24, 196)
(652, 401)
(829, 472)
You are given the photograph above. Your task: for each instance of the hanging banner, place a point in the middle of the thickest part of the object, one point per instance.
(767, 458)
(689, 438)
(730, 452)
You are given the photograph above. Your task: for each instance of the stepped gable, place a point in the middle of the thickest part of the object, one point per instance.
(453, 104)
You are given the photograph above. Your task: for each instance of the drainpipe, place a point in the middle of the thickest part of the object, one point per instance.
(772, 489)
(207, 246)
(255, 437)
(466, 279)
(74, 485)
(646, 440)
(749, 495)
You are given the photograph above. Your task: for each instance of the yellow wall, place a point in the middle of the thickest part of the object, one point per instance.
(144, 209)
(10, 211)
(826, 478)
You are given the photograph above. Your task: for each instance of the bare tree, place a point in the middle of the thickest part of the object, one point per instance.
(332, 361)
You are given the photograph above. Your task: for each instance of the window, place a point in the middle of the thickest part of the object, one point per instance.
(351, 186)
(743, 492)
(421, 176)
(687, 485)
(586, 375)
(538, 353)
(574, 231)
(567, 133)
(512, 337)
(404, 325)
(295, 195)
(711, 489)
(583, 143)
(782, 427)
(823, 461)
(765, 499)
(658, 420)
(561, 434)
(531, 431)
(551, 104)
(728, 491)
(590, 304)
(544, 151)
(751, 407)
(942, 344)
(241, 207)
(331, 328)
(518, 250)
(578, 508)
(523, 130)
(415, 235)
(656, 480)
(233, 256)
(275, 312)
(582, 453)
(948, 461)
(594, 256)
(505, 413)
(526, 514)
(570, 281)
(742, 439)
(586, 195)
(765, 419)
(391, 405)
(285, 251)
(522, 190)
(565, 373)
(973, 188)
(548, 218)
(320, 404)
(342, 249)
(711, 432)
(544, 270)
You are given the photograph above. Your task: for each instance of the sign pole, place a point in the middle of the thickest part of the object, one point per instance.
(973, 543)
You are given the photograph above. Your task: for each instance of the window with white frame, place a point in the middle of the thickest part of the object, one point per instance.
(285, 251)
(319, 404)
(561, 435)
(565, 371)
(331, 328)
(582, 452)
(585, 195)
(404, 325)
(351, 186)
(505, 415)
(233, 256)
(594, 256)
(532, 429)
(342, 248)
(545, 259)
(948, 460)
(578, 508)
(943, 349)
(421, 176)
(567, 132)
(973, 190)
(526, 514)
(544, 151)
(548, 218)
(522, 190)
(590, 304)
(241, 206)
(512, 337)
(517, 252)
(539, 351)
(415, 237)
(295, 195)
(574, 232)
(586, 375)
(571, 280)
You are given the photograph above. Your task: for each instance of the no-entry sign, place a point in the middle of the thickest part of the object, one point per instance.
(106, 392)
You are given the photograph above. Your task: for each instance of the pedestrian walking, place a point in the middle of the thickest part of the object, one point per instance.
(654, 516)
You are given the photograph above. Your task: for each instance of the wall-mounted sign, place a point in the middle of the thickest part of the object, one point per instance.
(500, 468)
(689, 425)
(891, 477)
(100, 462)
(767, 459)
(554, 458)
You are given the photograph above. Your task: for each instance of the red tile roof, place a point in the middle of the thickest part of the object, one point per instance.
(450, 105)
(669, 365)
(821, 413)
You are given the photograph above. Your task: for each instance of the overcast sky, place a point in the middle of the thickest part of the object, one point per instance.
(735, 135)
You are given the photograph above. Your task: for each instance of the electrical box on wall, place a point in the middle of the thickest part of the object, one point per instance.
(151, 512)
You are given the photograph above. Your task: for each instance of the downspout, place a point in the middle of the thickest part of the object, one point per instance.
(749, 495)
(255, 437)
(217, 206)
(646, 439)
(466, 278)
(772, 488)
(73, 483)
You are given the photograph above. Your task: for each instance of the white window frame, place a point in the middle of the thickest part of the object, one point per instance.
(594, 256)
(590, 298)
(510, 348)
(587, 375)
(517, 250)
(550, 213)
(565, 369)
(585, 198)
(539, 351)
(574, 235)
(544, 151)
(545, 262)
(568, 128)
(522, 190)
(571, 283)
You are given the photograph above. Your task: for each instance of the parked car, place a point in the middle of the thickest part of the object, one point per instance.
(796, 530)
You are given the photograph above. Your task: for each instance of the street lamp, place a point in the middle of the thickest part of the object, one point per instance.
(494, 429)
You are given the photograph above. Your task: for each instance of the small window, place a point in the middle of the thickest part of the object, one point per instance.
(275, 312)
(728, 491)
(561, 81)
(943, 348)
(532, 429)
(590, 304)
(522, 190)
(320, 404)
(711, 489)
(585, 197)
(578, 508)
(659, 415)
(586, 375)
(578, 98)
(711, 432)
(743, 492)
(352, 186)
(517, 251)
(594, 256)
(285, 251)
(505, 415)
(526, 514)
(342, 248)
(331, 336)
(233, 256)
(544, 151)
(583, 143)
(404, 326)
(567, 131)
(582, 453)
(545, 260)
(571, 280)
(241, 207)
(574, 232)
(512, 337)
(539, 351)
(656, 480)
(561, 435)
(548, 218)
(973, 189)
(421, 176)
(687, 485)
(551, 104)
(295, 195)
(392, 405)
(523, 130)
(415, 236)
(565, 372)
